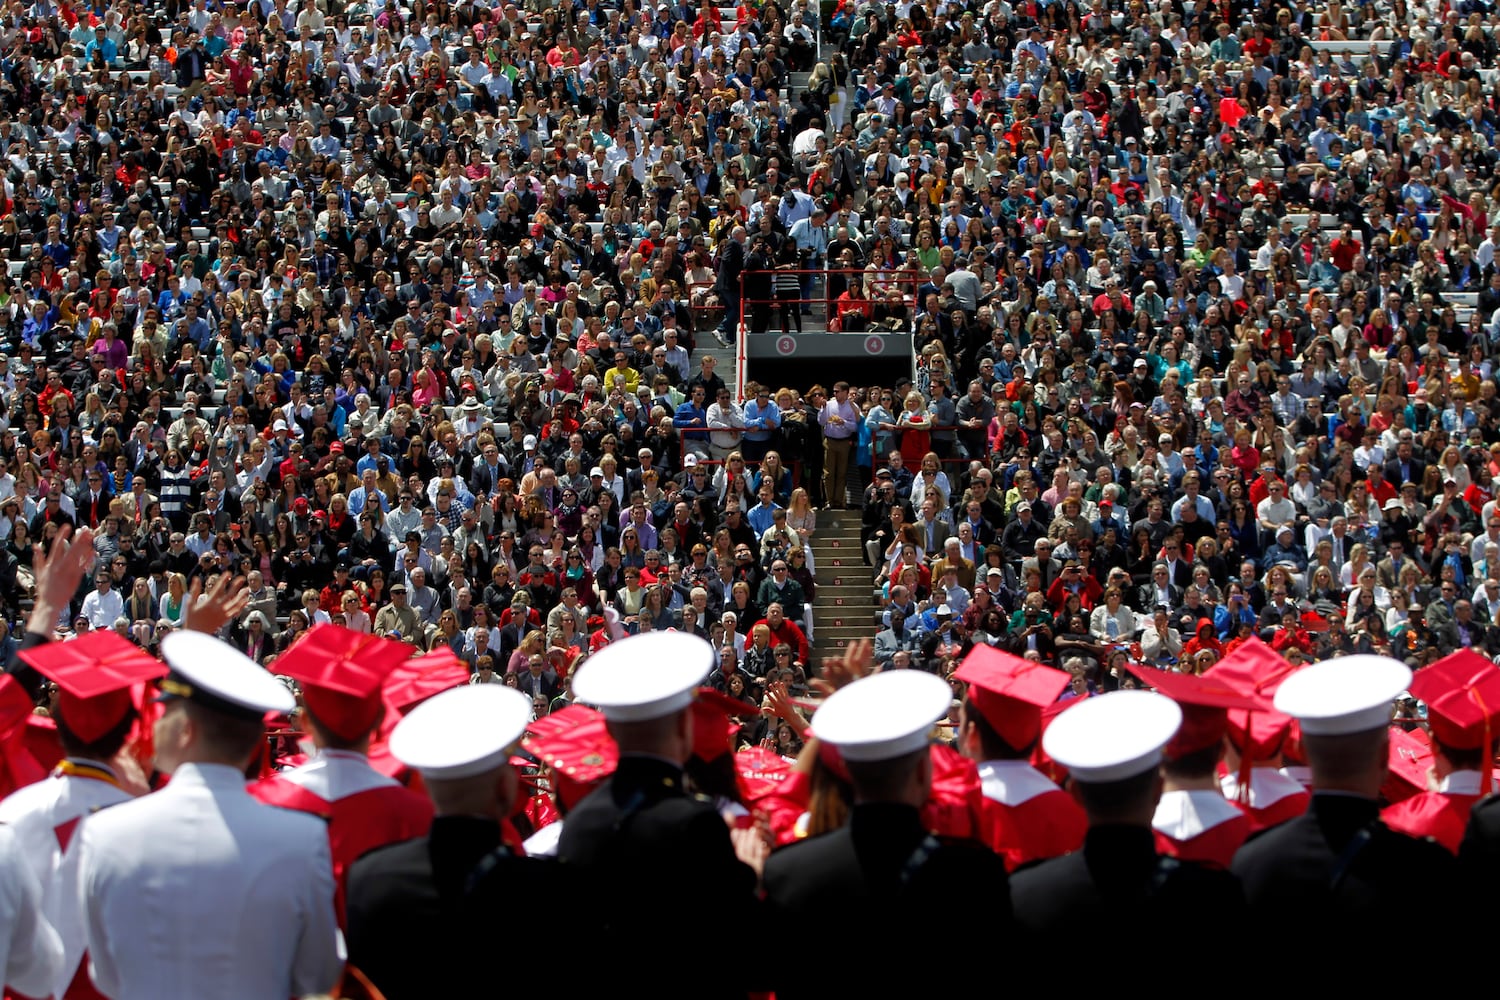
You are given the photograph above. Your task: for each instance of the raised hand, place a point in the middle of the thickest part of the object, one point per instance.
(784, 709)
(858, 660)
(58, 574)
(207, 613)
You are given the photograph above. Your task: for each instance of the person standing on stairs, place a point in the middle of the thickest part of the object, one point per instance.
(727, 287)
(839, 418)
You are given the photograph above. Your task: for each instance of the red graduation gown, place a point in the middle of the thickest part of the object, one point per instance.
(1274, 797)
(1024, 817)
(364, 808)
(1442, 815)
(1199, 825)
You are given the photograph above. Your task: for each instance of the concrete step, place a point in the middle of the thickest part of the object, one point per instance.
(829, 608)
(848, 573)
(726, 368)
(843, 610)
(846, 589)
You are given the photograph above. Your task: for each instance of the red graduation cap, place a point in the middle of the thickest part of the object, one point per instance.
(421, 677)
(406, 687)
(1462, 692)
(575, 743)
(1205, 702)
(1410, 760)
(1039, 758)
(95, 674)
(1010, 692)
(713, 722)
(1255, 670)
(341, 672)
(1314, 622)
(760, 772)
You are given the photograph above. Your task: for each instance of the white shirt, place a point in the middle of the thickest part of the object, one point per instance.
(200, 890)
(726, 419)
(30, 952)
(41, 816)
(543, 843)
(102, 609)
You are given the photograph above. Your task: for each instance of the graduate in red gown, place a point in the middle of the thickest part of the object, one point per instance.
(1253, 779)
(576, 748)
(341, 673)
(1024, 816)
(1193, 820)
(1462, 692)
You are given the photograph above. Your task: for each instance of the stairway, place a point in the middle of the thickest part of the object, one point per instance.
(843, 610)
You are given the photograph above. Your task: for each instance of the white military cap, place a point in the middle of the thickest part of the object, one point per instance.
(884, 715)
(462, 732)
(1348, 694)
(1113, 737)
(214, 674)
(644, 677)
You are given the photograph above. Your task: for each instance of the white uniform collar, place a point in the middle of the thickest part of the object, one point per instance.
(215, 776)
(1462, 783)
(1013, 782)
(1268, 786)
(335, 774)
(1185, 814)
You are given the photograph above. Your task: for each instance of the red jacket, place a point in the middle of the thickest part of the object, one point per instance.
(791, 634)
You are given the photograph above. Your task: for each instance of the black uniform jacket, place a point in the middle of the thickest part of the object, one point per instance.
(1338, 870)
(662, 878)
(422, 914)
(1117, 880)
(868, 888)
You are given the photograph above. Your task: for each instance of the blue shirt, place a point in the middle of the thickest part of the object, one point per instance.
(105, 45)
(762, 517)
(357, 501)
(760, 422)
(692, 421)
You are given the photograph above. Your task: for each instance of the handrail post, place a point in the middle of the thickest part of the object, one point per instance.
(740, 368)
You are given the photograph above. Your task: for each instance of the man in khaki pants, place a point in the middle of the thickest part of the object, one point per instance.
(839, 419)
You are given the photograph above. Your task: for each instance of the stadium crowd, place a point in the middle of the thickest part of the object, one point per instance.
(401, 315)
(396, 311)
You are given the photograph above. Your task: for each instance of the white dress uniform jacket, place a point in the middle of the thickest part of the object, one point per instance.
(30, 952)
(46, 817)
(199, 890)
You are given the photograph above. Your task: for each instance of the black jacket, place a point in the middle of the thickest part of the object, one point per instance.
(881, 870)
(426, 897)
(1118, 880)
(1338, 869)
(658, 862)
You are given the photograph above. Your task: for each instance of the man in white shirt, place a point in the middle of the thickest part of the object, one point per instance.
(1276, 510)
(726, 423)
(103, 604)
(1484, 255)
